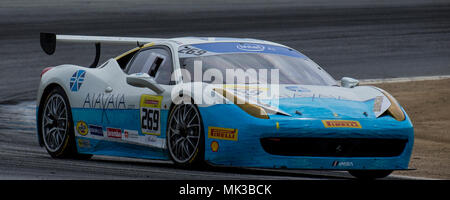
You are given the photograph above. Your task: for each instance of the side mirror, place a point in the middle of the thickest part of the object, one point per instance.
(349, 82)
(144, 80)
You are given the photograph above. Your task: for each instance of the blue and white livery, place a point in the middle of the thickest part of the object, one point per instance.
(172, 99)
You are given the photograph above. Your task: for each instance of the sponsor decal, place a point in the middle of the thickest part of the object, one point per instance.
(104, 101)
(342, 164)
(214, 146)
(250, 47)
(150, 114)
(96, 130)
(236, 47)
(191, 50)
(380, 105)
(114, 132)
(246, 87)
(154, 141)
(377, 104)
(341, 124)
(295, 88)
(82, 128)
(77, 80)
(130, 134)
(83, 143)
(223, 133)
(246, 90)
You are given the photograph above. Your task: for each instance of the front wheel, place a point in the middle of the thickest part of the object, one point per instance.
(370, 174)
(185, 138)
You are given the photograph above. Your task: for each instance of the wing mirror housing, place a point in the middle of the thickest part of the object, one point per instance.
(144, 80)
(349, 82)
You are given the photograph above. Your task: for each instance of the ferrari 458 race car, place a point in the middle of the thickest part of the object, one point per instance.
(220, 101)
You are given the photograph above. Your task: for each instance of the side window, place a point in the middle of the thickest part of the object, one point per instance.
(157, 62)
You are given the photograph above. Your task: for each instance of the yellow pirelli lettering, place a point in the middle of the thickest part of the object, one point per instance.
(222, 133)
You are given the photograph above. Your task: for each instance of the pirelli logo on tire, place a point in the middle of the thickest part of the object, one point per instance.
(341, 124)
(222, 133)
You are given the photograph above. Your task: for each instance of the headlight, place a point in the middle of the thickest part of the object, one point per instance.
(394, 109)
(251, 109)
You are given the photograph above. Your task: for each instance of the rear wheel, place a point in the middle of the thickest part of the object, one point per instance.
(57, 126)
(370, 174)
(185, 139)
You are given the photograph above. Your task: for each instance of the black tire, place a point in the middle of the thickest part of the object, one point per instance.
(370, 174)
(196, 158)
(63, 123)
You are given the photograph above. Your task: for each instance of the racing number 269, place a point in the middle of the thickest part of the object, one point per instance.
(150, 120)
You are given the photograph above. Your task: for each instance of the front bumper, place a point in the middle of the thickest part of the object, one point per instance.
(247, 151)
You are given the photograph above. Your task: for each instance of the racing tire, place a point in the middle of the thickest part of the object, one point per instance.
(185, 137)
(370, 174)
(57, 126)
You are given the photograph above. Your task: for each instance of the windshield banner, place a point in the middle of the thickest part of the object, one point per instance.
(207, 49)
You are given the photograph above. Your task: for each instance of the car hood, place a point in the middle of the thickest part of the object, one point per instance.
(309, 101)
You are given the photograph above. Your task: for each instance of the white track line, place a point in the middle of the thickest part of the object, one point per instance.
(402, 79)
(411, 177)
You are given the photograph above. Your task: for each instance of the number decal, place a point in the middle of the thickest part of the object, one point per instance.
(191, 50)
(156, 121)
(150, 112)
(149, 120)
(143, 118)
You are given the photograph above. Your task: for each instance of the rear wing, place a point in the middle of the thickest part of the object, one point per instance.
(48, 42)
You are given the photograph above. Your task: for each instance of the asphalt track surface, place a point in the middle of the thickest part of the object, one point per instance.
(362, 40)
(22, 158)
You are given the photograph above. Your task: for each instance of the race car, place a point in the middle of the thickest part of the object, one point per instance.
(218, 101)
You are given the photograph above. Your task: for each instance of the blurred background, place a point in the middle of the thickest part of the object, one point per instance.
(357, 38)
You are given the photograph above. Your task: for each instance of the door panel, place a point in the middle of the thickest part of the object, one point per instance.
(153, 108)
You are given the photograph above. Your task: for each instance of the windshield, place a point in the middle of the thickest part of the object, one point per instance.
(258, 63)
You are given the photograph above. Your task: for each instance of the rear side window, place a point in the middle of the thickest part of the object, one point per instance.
(156, 62)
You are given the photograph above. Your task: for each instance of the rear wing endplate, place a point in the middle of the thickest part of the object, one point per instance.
(48, 42)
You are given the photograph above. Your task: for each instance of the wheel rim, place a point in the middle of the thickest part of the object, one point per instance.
(54, 122)
(184, 132)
